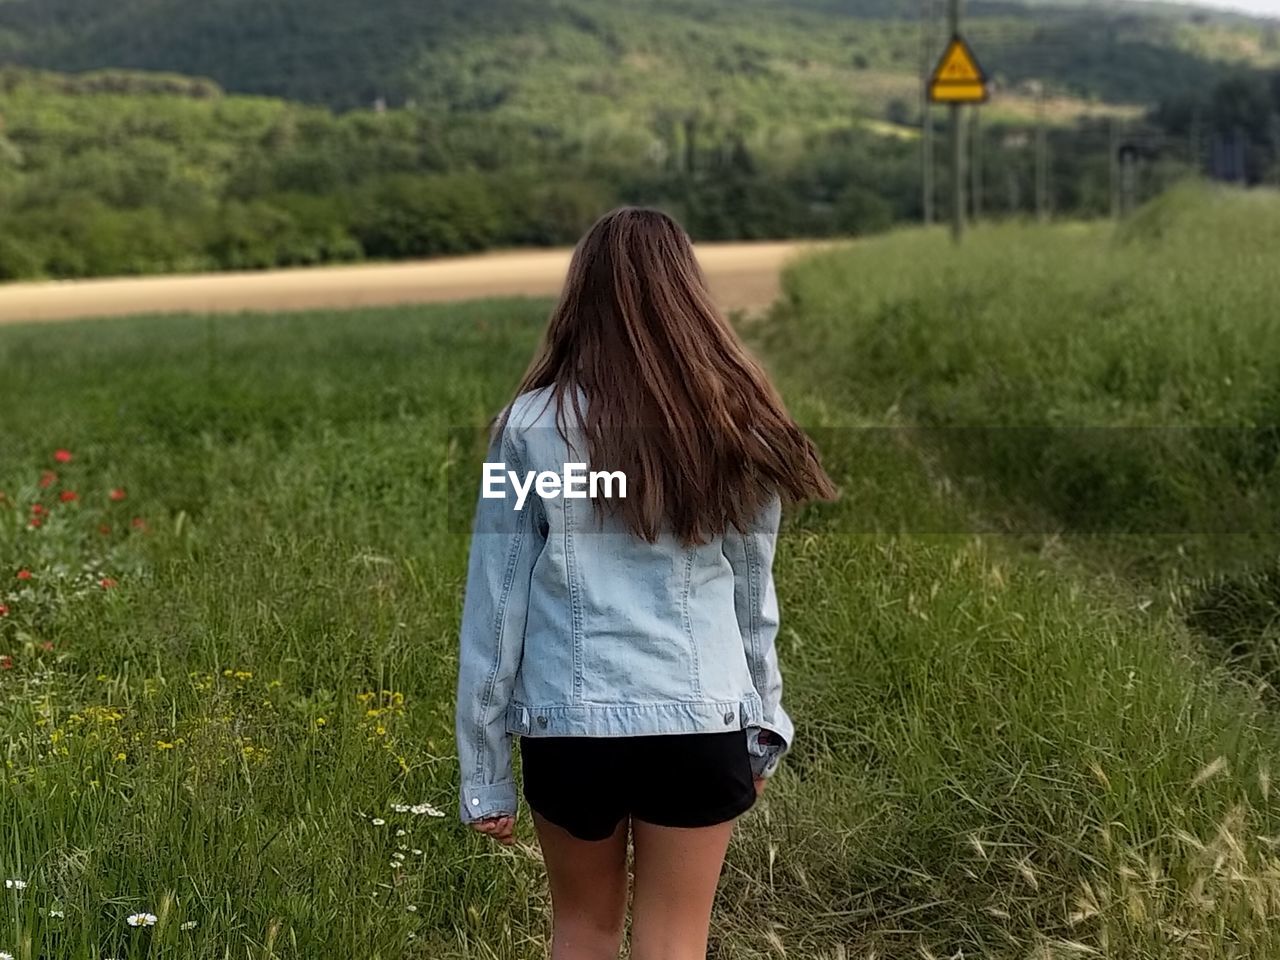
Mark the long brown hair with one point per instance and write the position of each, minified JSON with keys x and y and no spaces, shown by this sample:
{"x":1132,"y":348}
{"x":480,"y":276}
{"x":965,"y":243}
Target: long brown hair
{"x":673,"y":398}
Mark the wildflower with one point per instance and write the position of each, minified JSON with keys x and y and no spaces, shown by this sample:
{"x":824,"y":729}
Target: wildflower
{"x":416,"y":852}
{"x":38,"y":510}
{"x":426,"y":808}
{"x":162,"y":745}
{"x":34,"y":523}
{"x":117,"y":494}
{"x":5,"y":955}
{"x":24,"y":574}
{"x":412,"y":908}
{"x":105,"y":529}
{"x":321,"y":721}
{"x":397,"y":856}
{"x":57,"y":914}
{"x":15,"y":884}
{"x":6,"y":663}
{"x":68,"y":496}
{"x":121,"y":757}
{"x":401,"y":833}
{"x":47,"y":479}
{"x":62,"y":456}
{"x":139,"y":524}
{"x":4,"y":611}
{"x":141,"y":920}
{"x":107,"y":583}
{"x":187,"y":925}
{"x":378,"y":822}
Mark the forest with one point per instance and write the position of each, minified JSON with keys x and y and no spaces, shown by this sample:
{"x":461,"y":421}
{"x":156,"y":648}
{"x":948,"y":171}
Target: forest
{"x":159,"y":136}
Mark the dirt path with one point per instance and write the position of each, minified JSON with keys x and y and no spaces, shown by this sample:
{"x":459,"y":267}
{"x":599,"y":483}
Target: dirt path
{"x":742,"y":276}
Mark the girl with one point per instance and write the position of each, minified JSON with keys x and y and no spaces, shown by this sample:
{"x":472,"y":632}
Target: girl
{"x":629,"y":640}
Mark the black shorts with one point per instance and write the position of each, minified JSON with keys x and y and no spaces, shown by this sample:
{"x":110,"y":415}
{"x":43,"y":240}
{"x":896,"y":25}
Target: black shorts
{"x":588,"y":785}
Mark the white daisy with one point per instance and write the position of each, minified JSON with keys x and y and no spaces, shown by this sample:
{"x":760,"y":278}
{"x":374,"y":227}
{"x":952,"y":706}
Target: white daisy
{"x":412,"y":908}
{"x":15,"y":884}
{"x":400,"y":807}
{"x":187,"y":925}
{"x":417,"y":852}
{"x":420,"y":808}
{"x":397,"y":855}
{"x":402,"y":833}
{"x":378,"y":822}
{"x":141,"y":920}
{"x":5,"y":955}
{"x":57,"y":913}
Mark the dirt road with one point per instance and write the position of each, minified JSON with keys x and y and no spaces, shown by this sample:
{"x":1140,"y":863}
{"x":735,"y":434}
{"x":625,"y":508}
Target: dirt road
{"x":742,"y":276}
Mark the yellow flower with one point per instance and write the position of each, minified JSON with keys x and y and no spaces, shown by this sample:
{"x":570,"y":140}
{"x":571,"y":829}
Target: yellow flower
{"x":321,"y":721}
{"x":122,"y":756}
{"x":161,"y":745}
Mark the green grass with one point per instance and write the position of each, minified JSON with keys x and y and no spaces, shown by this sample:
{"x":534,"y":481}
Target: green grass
{"x":998,"y":752}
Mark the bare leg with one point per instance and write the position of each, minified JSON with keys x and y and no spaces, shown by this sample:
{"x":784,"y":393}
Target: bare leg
{"x":588,"y":891}
{"x":676,"y":873}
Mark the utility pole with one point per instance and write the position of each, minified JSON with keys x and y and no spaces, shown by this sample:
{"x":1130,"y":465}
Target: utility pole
{"x":1195,"y":150}
{"x":1042,"y":156}
{"x":957,"y":146}
{"x":926,"y":118}
{"x":1113,"y":166}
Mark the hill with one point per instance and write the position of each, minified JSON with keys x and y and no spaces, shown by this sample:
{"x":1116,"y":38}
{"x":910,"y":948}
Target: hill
{"x":238,"y":134}
{"x":536,"y":57}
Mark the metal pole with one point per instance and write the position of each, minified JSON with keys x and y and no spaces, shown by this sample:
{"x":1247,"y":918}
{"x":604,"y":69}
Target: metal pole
{"x":1042,"y":158}
{"x":976,"y":148}
{"x":926,"y":118}
{"x":957,"y":146}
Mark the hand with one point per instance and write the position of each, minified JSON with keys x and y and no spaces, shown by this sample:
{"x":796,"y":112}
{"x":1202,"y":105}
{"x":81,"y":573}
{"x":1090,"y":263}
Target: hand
{"x":502,"y":829}
{"x":760,"y":784}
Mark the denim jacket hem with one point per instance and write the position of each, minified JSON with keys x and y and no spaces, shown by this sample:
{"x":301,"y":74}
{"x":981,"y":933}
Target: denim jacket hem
{"x":634,"y":719}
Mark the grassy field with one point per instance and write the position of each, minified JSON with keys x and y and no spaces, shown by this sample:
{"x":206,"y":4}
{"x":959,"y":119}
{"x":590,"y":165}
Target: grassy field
{"x":226,"y":665}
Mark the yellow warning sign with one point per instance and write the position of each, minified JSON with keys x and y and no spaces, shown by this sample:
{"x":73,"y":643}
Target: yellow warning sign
{"x":957,"y":78}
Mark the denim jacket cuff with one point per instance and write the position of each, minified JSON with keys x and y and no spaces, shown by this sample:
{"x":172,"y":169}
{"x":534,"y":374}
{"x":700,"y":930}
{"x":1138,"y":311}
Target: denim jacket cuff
{"x":765,"y":748}
{"x":488,"y":800}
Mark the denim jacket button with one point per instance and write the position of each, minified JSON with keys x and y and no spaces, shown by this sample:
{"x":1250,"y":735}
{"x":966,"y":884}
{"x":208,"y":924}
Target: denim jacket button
{"x":542,"y":721}
{"x":728,"y":718}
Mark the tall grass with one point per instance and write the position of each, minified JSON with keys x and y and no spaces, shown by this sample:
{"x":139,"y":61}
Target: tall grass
{"x":1089,"y":381}
{"x":995,"y":757}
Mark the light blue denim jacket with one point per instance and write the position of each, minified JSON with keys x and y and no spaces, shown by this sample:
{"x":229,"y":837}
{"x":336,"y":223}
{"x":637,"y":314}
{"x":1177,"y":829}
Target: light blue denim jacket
{"x":572,"y":626}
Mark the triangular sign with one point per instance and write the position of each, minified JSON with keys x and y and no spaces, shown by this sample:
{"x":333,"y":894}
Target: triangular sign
{"x":957,"y":78}
{"x":958,"y":65}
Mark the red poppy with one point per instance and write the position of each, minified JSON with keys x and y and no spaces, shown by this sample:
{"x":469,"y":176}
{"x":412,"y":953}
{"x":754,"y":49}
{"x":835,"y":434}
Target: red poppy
{"x":68,"y":496}
{"x":139,"y":523}
{"x":62,"y":456}
{"x":48,"y":479}
{"x":107,"y":583}
{"x":4,"y":611}
{"x":24,"y":574}
{"x":37,"y":510}
{"x":105,"y":529}
{"x":117,"y":494}
{"x":35,"y":523}
{"x":6,"y":662}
